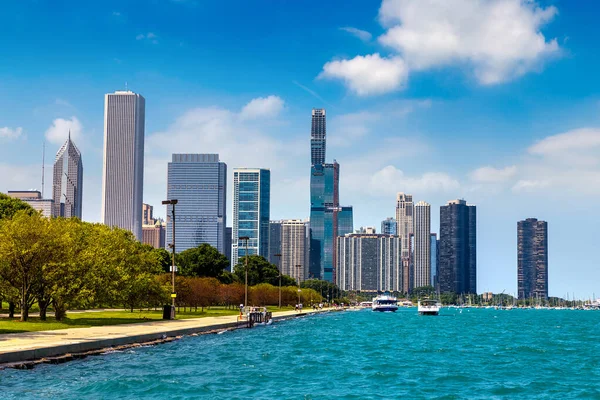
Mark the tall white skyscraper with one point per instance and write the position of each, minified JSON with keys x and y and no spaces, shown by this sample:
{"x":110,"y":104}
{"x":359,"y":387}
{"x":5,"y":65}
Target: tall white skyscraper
{"x":404,"y":219}
{"x":67,"y":183}
{"x":293,"y":249}
{"x":422,"y":250}
{"x":123,"y":166}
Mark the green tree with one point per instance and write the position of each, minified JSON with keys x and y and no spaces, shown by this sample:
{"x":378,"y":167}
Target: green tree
{"x":260,"y":270}
{"x":9,"y":206}
{"x":201,"y":261}
{"x":164,"y":258}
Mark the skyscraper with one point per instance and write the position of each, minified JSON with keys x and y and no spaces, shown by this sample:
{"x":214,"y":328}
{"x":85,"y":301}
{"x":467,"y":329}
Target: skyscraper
{"x":532,"y":259}
{"x":147,"y":214}
{"x":389,"y":226}
{"x":293,"y":248}
{"x":67,"y":187}
{"x":199,"y":183}
{"x":457,"y":268}
{"x":251,"y":212}
{"x":154,"y":235}
{"x":227,"y":250}
{"x":405,"y":226}
{"x":34,"y":199}
{"x":368,"y":262}
{"x":123,"y":165}
{"x":434,"y":259}
{"x":274,"y":241}
{"x":318,"y":132}
{"x":422,"y":248}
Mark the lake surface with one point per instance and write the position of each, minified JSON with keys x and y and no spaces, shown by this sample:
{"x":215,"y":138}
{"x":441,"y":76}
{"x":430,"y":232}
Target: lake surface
{"x":476,"y":353}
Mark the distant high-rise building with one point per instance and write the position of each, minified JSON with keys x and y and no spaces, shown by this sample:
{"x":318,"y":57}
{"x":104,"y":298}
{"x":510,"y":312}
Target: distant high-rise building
{"x":251,"y":212}
{"x":434,"y":259}
{"x":457,"y":267}
{"x":274,"y":241}
{"x":405,"y":226}
{"x":123,"y":166}
{"x":389,"y":226}
{"x":422,"y":248}
{"x":368,"y":262}
{"x":532,"y":259}
{"x":34,"y":199}
{"x":293,"y":249}
{"x":318,"y":132}
{"x":227,"y":250}
{"x":67,"y":185}
{"x":147,"y":214}
{"x":199,"y":183}
{"x":366,"y":230}
{"x":345,"y":220}
{"x":154,"y":235}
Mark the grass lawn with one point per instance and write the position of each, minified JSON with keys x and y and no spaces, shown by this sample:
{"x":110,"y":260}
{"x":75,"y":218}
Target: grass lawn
{"x":100,"y":318}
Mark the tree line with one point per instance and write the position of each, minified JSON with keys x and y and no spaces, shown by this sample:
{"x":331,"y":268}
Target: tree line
{"x":63,"y":264}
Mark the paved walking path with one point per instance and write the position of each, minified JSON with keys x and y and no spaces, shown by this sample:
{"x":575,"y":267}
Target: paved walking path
{"x":17,"y":347}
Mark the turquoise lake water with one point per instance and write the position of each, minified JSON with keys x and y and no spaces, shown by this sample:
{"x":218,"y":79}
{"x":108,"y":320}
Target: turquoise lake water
{"x":474,"y":354}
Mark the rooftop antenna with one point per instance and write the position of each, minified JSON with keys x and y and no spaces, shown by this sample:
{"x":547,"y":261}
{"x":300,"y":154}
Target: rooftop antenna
{"x":43,"y":164}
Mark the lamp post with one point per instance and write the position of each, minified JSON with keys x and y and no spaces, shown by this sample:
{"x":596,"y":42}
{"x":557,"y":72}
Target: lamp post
{"x":172,"y":203}
{"x":279,"y":268}
{"x":246,"y":238}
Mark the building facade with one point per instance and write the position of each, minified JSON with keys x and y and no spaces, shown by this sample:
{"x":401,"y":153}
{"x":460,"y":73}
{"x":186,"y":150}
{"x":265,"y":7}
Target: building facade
{"x":67,"y":182}
{"x":154,"y":235}
{"x":389,"y":226}
{"x":532,"y":259}
{"x":147,"y":214}
{"x":251,"y":212}
{"x":274,"y":241}
{"x":293,"y":249}
{"x":227,"y":251}
{"x":405,"y":228}
{"x":457,"y":267}
{"x":199,"y":183}
{"x":422,"y":245}
{"x":34,"y":199}
{"x":368,"y":262}
{"x":123,"y":163}
{"x":434,"y":259}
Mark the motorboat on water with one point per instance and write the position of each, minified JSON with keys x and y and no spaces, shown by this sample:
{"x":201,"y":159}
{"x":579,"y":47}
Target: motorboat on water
{"x":385,"y":302}
{"x":428,"y":307}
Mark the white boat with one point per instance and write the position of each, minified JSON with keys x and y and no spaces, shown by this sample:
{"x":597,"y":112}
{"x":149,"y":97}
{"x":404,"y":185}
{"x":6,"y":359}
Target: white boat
{"x":385,"y":302}
{"x":428,"y":307}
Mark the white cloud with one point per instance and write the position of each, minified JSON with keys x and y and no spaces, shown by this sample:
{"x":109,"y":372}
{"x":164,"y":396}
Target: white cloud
{"x":10,"y":133}
{"x":391,"y":179}
{"x":58,"y":132}
{"x":525,"y":185}
{"x":359,"y":33}
{"x":368,"y":75}
{"x":498,"y":39}
{"x":578,"y":139}
{"x":269,"y":106}
{"x":151,"y":37}
{"x":493,"y":175}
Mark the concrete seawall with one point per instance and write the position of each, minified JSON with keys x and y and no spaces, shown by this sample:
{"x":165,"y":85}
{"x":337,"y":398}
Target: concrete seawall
{"x":24,"y":347}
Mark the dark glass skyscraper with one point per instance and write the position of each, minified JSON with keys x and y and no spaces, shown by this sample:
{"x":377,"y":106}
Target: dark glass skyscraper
{"x":532,"y":259}
{"x":317,"y":137}
{"x":388,"y":226}
{"x":274,"y":241}
{"x":199,"y":183}
{"x":68,"y":181}
{"x":457,"y":268}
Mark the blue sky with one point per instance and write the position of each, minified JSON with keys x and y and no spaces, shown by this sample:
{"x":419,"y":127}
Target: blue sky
{"x":493,"y":101}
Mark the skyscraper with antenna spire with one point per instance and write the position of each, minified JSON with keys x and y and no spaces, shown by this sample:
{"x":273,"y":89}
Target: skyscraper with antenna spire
{"x":67,"y":183}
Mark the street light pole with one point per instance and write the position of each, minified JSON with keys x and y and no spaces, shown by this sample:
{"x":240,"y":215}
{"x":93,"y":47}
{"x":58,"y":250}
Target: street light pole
{"x":172,"y":202}
{"x":279,"y":268}
{"x":246,"y":238}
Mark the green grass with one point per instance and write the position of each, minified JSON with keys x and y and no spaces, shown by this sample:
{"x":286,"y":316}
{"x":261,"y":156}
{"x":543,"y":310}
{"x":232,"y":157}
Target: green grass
{"x":101,"y":318}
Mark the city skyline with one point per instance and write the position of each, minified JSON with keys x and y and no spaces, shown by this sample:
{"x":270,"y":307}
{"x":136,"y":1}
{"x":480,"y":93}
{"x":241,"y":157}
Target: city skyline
{"x":448,"y":126}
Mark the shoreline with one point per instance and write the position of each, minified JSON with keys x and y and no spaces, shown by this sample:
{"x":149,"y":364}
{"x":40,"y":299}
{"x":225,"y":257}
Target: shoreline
{"x":27,"y":350}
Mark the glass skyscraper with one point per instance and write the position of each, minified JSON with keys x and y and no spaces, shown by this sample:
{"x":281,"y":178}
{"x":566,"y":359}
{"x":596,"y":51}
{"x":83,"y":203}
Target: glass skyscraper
{"x":457,"y":268}
{"x":532,"y":259}
{"x":324,"y":203}
{"x":199,"y":183}
{"x":67,"y":185}
{"x":251,"y":212}
{"x":388,"y":226}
